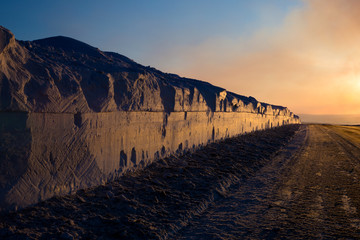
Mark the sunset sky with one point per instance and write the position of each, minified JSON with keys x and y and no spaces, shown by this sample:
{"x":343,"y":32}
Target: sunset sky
{"x":301,"y":54}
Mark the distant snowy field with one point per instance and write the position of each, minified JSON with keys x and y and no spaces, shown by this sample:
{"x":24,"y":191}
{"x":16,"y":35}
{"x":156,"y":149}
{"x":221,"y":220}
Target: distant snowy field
{"x":350,"y":119}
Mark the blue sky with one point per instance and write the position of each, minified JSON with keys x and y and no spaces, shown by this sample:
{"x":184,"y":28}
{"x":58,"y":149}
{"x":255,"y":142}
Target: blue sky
{"x":135,"y":28}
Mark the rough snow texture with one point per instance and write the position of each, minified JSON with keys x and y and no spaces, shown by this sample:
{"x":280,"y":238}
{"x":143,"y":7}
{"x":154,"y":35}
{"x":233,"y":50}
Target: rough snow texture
{"x":72,"y":116}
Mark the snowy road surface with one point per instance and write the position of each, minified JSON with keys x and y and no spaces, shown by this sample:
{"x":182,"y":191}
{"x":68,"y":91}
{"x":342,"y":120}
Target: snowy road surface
{"x":315,"y":194}
{"x":292,"y":182}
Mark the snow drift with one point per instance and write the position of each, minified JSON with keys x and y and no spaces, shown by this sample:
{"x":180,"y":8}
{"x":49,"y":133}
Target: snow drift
{"x":72,"y":116}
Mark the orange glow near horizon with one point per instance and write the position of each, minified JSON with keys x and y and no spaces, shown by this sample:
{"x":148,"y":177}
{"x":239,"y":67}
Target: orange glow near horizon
{"x":311,"y":63}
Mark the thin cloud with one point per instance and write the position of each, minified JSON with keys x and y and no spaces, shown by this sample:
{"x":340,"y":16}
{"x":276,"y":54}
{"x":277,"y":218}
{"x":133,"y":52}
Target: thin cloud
{"x":311,"y":63}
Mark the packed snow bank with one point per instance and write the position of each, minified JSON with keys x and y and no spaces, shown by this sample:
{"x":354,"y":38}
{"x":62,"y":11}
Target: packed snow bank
{"x":72,"y":116}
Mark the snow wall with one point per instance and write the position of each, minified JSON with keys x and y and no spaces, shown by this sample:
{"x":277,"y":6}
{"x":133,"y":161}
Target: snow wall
{"x":52,"y":154}
{"x":72,"y":117}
